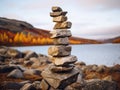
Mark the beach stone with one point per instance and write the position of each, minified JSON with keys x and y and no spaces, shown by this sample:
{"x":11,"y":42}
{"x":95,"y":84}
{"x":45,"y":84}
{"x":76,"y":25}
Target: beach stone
{"x":15,"y":74}
{"x":30,"y":54}
{"x":32,"y":72}
{"x":60,"y":69}
{"x":61,"y":41}
{"x":60,"y":33}
{"x":59,"y":19}
{"x":28,"y":63}
{"x":3,"y":50}
{"x":96,"y":84}
{"x":59,"y":50}
{"x":7,"y":68}
{"x":55,"y":14}
{"x":63,"y":25}
{"x":56,"y":9}
{"x":2,"y":58}
{"x":64,"y":60}
{"x":108,"y":78}
{"x":59,"y":80}
{"x":44,"y":85}
{"x":13,"y":53}
{"x":28,"y":86}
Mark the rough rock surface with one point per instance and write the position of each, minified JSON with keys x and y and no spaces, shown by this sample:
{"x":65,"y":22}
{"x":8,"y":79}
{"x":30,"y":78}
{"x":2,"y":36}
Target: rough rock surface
{"x":64,"y":60}
{"x":61,"y":41}
{"x":56,"y":9}
{"x":59,"y":50}
{"x":60,"y":33}
{"x":55,"y":14}
{"x":63,"y":25}
{"x":59,"y":80}
{"x":59,"y":19}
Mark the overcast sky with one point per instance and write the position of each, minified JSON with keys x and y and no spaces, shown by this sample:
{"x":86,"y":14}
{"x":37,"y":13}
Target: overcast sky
{"x":90,"y":18}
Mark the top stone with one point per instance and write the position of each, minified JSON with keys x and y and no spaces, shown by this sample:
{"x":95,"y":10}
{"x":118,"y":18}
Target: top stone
{"x":56,"y":9}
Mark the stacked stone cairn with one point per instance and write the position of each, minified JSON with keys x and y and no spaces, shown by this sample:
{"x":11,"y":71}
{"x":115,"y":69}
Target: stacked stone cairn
{"x":61,"y":72}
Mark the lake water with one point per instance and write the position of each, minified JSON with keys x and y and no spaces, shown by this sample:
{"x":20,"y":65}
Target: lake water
{"x":108,"y":54}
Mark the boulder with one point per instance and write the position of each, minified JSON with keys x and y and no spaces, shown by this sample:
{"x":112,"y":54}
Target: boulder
{"x":63,"y":25}
{"x":44,"y":85}
{"x":13,"y":53}
{"x":30,"y":54}
{"x":59,"y":19}
{"x":64,"y":60}
{"x":56,"y":9}
{"x":59,"y":50}
{"x":60,"y":69}
{"x":3,"y":50}
{"x":61,"y":41}
{"x":55,"y":14}
{"x":28,"y":63}
{"x":15,"y":74}
{"x":7,"y":85}
{"x":60,"y":33}
{"x":2,"y":58}
{"x":59,"y":80}
{"x":28,"y":86}
{"x":7,"y":68}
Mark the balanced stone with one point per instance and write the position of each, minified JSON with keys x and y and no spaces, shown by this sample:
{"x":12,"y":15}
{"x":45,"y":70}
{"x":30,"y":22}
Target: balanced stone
{"x":59,"y":19}
{"x":59,"y":80}
{"x":64,"y":60}
{"x":63,"y":25}
{"x":56,"y":9}
{"x":59,"y":51}
{"x":55,"y":14}
{"x":61,"y":69}
{"x":61,"y":41}
{"x":60,"y":33}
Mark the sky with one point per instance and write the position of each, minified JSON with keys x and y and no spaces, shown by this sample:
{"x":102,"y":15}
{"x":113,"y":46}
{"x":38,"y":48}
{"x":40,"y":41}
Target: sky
{"x":94,"y":19}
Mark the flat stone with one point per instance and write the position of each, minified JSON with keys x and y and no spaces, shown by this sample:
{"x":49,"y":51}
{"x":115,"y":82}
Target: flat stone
{"x":61,"y":41}
{"x":30,"y":54}
{"x":56,"y":9}
{"x":55,"y":14}
{"x":64,"y":60}
{"x":59,"y":19}
{"x":63,"y":25}
{"x":44,"y":85}
{"x":60,"y":33}
{"x":28,"y":86}
{"x":59,"y":51}
{"x":60,"y":80}
{"x":61,"y":69}
{"x":15,"y":74}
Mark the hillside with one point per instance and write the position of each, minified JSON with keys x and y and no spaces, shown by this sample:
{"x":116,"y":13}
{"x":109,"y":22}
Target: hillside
{"x":20,"y":33}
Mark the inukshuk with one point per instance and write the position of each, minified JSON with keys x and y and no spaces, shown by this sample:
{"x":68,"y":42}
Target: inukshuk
{"x":61,"y":72}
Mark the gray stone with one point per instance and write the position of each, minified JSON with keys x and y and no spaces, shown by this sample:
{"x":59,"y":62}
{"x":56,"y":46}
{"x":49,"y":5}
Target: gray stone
{"x":56,"y":9}
{"x":59,"y":80}
{"x":60,"y":33}
{"x":61,"y":69}
{"x":15,"y":74}
{"x":44,"y":85}
{"x":59,"y":50}
{"x":59,"y":19}
{"x":61,"y":41}
{"x":55,"y":14}
{"x":63,"y":25}
{"x":30,"y":54}
{"x":28,"y":86}
{"x":64,"y":60}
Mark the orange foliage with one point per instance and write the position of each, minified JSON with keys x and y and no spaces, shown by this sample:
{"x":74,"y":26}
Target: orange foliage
{"x":24,"y":39}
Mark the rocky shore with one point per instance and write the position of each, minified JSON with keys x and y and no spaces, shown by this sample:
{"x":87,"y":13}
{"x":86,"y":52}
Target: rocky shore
{"x":22,"y":71}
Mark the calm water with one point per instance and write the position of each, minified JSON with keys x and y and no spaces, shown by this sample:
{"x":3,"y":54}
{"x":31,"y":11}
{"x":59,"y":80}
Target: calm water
{"x":108,"y":54}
